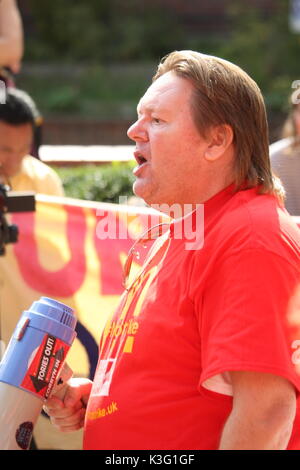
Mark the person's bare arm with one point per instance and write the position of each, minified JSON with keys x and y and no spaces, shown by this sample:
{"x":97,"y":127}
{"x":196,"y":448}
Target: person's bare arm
{"x":264,"y":408}
{"x":11,"y":35}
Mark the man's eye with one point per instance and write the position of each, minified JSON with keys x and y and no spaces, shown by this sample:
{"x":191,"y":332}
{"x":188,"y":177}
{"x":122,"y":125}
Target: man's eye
{"x":156,"y":120}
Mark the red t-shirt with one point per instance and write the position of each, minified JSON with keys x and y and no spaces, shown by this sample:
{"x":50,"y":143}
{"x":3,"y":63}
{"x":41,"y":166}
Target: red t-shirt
{"x":228,"y":304}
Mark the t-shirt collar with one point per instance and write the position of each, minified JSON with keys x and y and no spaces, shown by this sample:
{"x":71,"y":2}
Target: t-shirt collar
{"x":204,"y":210}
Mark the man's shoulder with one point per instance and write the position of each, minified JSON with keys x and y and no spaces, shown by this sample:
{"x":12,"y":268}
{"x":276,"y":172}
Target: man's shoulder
{"x":248,"y":207}
{"x":259,"y":221}
{"x":30,"y":161}
{"x":41,"y":177}
{"x":36,"y":167}
{"x":260,"y":212}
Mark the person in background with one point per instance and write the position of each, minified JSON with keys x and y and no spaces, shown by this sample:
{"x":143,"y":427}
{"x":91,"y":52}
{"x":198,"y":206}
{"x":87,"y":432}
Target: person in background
{"x":11,"y":38}
{"x":18,"y":168}
{"x":201,"y":352}
{"x":11,"y":53}
{"x":285,"y":160}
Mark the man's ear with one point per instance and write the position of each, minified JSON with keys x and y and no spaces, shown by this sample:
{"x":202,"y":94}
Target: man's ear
{"x":219,"y":140}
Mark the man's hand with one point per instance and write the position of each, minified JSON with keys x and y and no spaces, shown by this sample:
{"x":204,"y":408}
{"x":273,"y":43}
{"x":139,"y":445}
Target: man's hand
{"x":264,"y":408}
{"x":68,"y":415}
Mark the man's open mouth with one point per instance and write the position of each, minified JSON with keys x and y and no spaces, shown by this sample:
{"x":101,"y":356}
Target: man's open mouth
{"x":139,"y":158}
{"x":141,"y":163}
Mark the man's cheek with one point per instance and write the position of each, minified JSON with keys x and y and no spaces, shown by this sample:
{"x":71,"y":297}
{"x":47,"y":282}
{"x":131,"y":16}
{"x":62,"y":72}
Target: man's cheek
{"x":13,"y":166}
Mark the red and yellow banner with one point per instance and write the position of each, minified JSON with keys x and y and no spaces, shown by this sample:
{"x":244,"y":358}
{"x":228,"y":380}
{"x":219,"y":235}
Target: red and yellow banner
{"x":72,"y":251}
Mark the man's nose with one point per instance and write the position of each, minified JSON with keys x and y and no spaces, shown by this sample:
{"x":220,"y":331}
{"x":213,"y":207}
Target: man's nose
{"x":137,"y":131}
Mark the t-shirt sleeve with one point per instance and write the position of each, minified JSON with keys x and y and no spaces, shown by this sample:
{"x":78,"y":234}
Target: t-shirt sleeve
{"x":51,"y":185}
{"x":250,"y":319}
{"x":39,"y":177}
{"x":46,"y":180}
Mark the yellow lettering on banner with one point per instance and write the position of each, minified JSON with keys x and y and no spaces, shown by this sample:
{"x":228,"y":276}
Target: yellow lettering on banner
{"x":50,"y":257}
{"x":50,"y":232}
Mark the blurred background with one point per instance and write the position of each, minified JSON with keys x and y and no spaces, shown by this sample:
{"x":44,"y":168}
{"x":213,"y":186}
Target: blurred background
{"x":87,"y":63}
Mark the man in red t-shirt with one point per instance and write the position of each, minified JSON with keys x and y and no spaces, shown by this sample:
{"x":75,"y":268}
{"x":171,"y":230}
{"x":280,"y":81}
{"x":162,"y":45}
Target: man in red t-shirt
{"x":202,"y":352}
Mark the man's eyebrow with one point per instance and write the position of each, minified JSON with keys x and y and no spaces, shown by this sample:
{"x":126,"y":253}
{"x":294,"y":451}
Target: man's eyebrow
{"x":6,"y":148}
{"x":148,"y":108}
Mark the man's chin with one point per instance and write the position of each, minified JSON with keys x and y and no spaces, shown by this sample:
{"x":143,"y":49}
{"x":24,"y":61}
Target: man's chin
{"x":140,"y":191}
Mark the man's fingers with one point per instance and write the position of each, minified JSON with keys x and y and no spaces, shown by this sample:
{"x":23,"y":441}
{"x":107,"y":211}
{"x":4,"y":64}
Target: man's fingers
{"x":59,"y":410}
{"x":66,"y":422}
{"x":74,"y":423}
{"x":73,"y":428}
{"x":68,"y":415}
{"x":53,"y":404}
{"x":78,"y":389}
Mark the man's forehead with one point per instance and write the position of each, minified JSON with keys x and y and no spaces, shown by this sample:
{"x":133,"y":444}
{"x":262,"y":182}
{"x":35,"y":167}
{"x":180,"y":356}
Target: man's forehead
{"x":164,"y":90}
{"x":7,"y":129}
{"x":15,"y":136}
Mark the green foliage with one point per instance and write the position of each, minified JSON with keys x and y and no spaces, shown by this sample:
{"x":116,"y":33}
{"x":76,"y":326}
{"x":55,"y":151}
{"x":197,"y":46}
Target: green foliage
{"x":265,"y":47}
{"x":98,"y":183}
{"x":99,"y":33}
{"x":64,"y":28}
{"x":92,"y":90}
{"x":63,"y":99}
{"x":100,"y":30}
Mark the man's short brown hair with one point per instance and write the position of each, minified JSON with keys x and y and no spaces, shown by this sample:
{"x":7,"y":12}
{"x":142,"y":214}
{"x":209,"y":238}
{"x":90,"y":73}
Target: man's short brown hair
{"x":225,"y":94}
